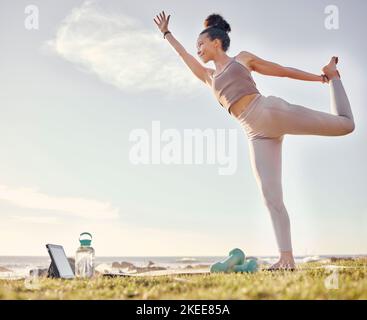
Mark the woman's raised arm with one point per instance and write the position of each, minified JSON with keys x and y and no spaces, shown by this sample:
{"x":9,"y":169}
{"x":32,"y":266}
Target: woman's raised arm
{"x":254,"y":63}
{"x":195,"y":66}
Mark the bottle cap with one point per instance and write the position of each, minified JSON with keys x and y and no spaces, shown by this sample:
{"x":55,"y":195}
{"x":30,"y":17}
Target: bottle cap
{"x":85,"y":242}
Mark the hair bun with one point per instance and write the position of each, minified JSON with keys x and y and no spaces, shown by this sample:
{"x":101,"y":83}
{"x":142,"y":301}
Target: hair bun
{"x":217,"y":21}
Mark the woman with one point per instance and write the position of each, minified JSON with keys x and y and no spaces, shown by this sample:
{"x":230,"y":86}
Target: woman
{"x":265,"y":120}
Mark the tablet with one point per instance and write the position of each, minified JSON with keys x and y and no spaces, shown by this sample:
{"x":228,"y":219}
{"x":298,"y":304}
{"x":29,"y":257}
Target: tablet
{"x":60,"y":262}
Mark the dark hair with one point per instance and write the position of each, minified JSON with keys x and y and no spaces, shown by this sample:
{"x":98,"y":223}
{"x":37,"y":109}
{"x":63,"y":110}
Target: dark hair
{"x":217,"y":28}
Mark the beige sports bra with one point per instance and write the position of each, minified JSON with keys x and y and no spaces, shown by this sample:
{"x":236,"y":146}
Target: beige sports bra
{"x":232,"y":83}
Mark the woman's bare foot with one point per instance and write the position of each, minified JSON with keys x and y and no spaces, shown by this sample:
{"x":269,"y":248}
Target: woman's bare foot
{"x":330,"y":69}
{"x":286,"y":262}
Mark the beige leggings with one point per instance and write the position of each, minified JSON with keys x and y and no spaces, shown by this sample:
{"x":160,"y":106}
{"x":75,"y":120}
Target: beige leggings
{"x":266,"y":120}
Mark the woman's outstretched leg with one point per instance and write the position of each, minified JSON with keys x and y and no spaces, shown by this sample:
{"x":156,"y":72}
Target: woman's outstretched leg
{"x":266,"y":162}
{"x":282,"y":117}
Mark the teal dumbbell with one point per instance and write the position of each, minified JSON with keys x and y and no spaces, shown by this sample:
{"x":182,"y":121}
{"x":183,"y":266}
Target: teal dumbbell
{"x":248,"y":266}
{"x":236,"y":256}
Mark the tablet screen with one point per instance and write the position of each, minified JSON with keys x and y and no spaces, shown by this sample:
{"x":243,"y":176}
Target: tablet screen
{"x":58,"y":255}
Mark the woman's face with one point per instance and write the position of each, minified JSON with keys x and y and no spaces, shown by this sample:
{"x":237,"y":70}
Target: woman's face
{"x":206,"y":48}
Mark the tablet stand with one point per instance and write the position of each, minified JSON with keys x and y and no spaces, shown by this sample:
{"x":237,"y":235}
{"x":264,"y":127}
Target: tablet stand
{"x":52,"y":271}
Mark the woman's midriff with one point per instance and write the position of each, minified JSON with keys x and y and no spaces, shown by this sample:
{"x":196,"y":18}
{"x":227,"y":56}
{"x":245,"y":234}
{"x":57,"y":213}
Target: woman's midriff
{"x":239,"y":106}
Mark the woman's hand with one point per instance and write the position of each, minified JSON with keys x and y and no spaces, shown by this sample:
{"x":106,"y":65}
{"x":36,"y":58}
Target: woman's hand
{"x":162,"y":22}
{"x":324,"y":78}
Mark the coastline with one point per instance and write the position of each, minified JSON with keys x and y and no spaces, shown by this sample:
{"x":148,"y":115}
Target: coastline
{"x":19,"y":267}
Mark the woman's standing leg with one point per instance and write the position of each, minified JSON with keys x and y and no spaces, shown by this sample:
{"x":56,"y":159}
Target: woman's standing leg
{"x":266,"y":162}
{"x":266,"y":126}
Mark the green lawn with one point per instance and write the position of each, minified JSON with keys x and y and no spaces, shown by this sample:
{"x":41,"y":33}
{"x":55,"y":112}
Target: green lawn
{"x":306,"y":283}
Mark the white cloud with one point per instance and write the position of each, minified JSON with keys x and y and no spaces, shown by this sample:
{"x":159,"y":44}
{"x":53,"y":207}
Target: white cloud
{"x":33,"y":199}
{"x":36,"y":219}
{"x":121,"y":51}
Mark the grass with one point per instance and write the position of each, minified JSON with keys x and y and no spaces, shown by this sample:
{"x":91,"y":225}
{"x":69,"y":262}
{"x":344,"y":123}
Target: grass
{"x":306,"y":283}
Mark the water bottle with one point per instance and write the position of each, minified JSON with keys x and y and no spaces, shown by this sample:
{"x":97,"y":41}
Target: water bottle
{"x":84,"y":258}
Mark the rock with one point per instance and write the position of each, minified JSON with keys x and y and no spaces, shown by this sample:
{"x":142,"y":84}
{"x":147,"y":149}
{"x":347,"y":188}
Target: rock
{"x":146,"y":269}
{"x":3,"y":269}
{"x":335,"y":259}
{"x":200,"y":266}
{"x":189,"y":266}
{"x":123,"y":264}
{"x":150,"y":263}
{"x":38,"y":272}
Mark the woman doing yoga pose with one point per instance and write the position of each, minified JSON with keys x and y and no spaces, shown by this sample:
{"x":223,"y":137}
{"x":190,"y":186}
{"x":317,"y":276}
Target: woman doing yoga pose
{"x":264,"y":119}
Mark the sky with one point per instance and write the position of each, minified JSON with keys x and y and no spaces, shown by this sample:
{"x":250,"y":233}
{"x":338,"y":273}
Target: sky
{"x":93,"y":75}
